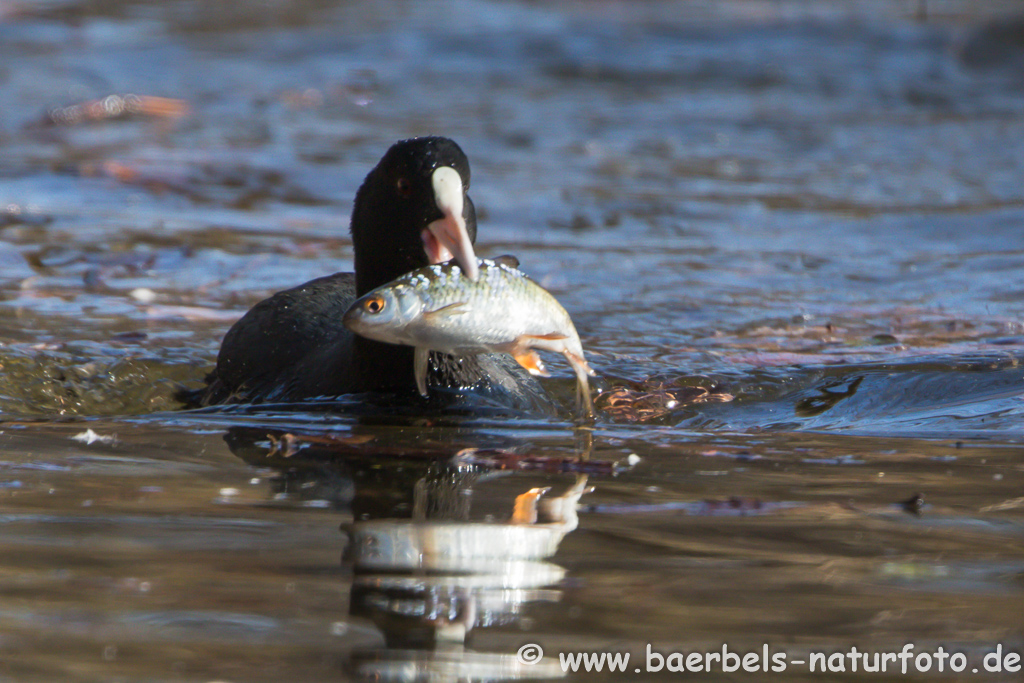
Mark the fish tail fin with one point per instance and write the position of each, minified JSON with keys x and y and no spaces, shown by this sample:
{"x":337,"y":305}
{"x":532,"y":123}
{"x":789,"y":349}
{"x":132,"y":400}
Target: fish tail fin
{"x":582,"y":370}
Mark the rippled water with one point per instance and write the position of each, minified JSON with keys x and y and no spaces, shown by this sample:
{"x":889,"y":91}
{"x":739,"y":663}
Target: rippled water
{"x":789,"y":233}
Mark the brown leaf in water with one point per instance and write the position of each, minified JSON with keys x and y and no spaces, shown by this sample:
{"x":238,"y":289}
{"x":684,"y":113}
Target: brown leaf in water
{"x":117,"y":106}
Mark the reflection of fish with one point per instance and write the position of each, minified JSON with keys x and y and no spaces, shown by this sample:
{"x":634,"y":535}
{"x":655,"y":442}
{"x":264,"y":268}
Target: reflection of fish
{"x":438,"y":308}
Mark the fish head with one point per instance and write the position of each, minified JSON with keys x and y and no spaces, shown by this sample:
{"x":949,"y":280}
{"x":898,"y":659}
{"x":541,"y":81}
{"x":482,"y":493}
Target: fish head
{"x":387,"y":314}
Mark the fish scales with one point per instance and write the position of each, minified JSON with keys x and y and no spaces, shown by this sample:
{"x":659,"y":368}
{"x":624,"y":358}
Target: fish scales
{"x":525,"y":308}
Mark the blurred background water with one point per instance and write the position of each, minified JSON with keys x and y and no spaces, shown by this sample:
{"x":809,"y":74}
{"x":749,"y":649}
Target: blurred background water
{"x":789,"y":233}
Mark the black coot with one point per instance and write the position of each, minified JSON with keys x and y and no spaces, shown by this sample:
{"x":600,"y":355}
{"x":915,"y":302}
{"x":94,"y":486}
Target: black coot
{"x":412,"y":210}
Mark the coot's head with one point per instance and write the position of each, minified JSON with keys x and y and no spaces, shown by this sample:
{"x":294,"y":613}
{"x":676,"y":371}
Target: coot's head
{"x":412,"y":210}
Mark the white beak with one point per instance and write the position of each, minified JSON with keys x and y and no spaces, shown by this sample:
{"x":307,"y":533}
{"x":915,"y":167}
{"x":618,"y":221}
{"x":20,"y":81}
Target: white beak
{"x":447,"y":238}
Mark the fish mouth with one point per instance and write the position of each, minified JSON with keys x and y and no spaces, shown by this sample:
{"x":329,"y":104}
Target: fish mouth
{"x":352,"y":320}
{"x":447,"y":237}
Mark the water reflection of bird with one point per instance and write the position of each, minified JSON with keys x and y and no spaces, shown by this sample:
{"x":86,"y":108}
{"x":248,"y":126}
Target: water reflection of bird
{"x":411,"y":211}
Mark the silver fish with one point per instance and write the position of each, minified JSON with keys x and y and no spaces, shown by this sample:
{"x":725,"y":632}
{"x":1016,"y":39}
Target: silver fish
{"x":439,"y":308}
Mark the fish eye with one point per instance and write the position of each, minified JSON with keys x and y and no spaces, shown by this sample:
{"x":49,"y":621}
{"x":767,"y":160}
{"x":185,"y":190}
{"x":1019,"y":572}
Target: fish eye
{"x":404,"y":187}
{"x":374,"y":304}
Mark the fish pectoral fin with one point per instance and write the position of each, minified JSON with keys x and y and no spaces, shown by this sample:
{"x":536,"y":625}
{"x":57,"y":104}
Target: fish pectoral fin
{"x":420,"y":365}
{"x":532,"y":362}
{"x":552,"y":336}
{"x":456,"y":308}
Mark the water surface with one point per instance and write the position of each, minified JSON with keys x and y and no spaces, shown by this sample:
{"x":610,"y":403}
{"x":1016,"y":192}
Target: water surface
{"x":789,"y":234}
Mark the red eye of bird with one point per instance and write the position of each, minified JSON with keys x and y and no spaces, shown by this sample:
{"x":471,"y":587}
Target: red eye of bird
{"x":404,"y":187}
{"x":374,"y":305}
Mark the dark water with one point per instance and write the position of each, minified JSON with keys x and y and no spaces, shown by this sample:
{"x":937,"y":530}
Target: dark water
{"x":791,"y":235}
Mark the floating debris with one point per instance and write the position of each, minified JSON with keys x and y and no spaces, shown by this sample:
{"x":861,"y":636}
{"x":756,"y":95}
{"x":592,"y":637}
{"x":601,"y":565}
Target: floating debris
{"x":285,"y":446}
{"x":16,"y":214}
{"x":1011,"y":504}
{"x":498,"y":459}
{"x":198,"y":313}
{"x":89,"y":437}
{"x":143,"y":294}
{"x":650,"y":403}
{"x":115,"y":107}
{"x":914,"y":504}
